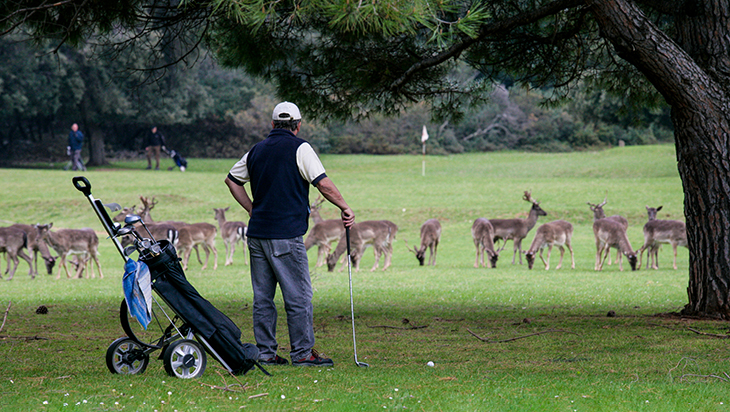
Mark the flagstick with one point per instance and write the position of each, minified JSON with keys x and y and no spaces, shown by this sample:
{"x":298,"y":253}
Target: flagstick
{"x":423,"y":168}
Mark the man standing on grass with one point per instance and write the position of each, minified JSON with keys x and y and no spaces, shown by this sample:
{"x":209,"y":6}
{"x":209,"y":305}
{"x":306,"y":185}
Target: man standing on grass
{"x":75,"y":144}
{"x":280,"y":170}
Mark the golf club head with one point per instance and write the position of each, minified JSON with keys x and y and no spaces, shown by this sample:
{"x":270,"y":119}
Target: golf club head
{"x":362,"y":364}
{"x":129,"y":250}
{"x":132,"y":219}
{"x":125,"y":230}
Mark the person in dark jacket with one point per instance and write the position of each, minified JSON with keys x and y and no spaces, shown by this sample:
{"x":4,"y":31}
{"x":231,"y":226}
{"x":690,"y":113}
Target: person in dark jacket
{"x":280,"y":169}
{"x":153,"y":144}
{"x":75,"y":144}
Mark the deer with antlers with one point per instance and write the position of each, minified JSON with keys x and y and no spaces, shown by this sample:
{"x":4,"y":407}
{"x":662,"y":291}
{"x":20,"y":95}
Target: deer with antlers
{"x":657,"y":231}
{"x":556,"y":233}
{"x":517,"y":229}
{"x":598,"y":213}
{"x":430,"y":237}
{"x":482,"y":232}
{"x":378,"y":233}
{"x":232,"y":232}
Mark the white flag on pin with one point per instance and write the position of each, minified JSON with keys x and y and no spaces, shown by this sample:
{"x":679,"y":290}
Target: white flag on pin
{"x":424,"y":136}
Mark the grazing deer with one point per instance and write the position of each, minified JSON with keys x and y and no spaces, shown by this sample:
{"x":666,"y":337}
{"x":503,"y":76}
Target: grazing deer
{"x":378,"y":233}
{"x":517,"y":229}
{"x":657,"y":231}
{"x":198,"y":234}
{"x":232,"y":233}
{"x":323,"y":234}
{"x":36,"y":245}
{"x":482,"y":231}
{"x":67,"y":242}
{"x":12,"y":242}
{"x":556,"y":233}
{"x":598,"y":213}
{"x":430,"y":237}
{"x":610,"y":233}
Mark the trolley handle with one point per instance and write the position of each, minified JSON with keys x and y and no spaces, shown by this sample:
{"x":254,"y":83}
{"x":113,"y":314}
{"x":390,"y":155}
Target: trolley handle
{"x":82,"y":184}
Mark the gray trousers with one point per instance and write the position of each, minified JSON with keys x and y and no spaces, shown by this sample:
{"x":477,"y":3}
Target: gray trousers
{"x":76,"y":163}
{"x":283,"y":262}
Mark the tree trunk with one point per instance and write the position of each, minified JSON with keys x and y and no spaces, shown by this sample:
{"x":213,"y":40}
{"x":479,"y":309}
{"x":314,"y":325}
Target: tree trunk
{"x":702,"y":129}
{"x":94,"y":136}
{"x":97,"y":155}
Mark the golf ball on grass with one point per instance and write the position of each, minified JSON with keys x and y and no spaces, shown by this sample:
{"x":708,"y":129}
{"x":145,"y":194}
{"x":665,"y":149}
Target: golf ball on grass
{"x":430,"y":363}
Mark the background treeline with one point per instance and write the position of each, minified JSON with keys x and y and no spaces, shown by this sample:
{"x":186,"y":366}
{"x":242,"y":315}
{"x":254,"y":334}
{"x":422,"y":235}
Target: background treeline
{"x":206,"y":111}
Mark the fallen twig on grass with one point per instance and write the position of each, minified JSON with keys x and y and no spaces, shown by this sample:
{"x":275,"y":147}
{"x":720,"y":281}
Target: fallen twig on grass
{"x":725,"y":379}
{"x":260,"y":395}
{"x":398,"y":327}
{"x":518,"y":337}
{"x":36,"y":337}
{"x":709,"y":334}
{"x":226,"y":386}
{"x":10,"y":302}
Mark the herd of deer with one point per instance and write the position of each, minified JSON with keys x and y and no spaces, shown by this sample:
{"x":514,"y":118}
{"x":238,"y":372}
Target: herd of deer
{"x":81,"y":245}
{"x":609,"y":232}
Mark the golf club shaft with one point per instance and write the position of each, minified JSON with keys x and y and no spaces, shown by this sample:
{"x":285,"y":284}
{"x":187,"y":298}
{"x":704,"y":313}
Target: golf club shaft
{"x":352,"y":304}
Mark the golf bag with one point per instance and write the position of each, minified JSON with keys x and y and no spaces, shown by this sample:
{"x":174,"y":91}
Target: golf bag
{"x":222,"y":335}
{"x":178,"y":159}
{"x":195,"y":325}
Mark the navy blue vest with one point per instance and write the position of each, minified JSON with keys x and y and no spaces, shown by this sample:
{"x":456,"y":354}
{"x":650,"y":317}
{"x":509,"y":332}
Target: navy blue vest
{"x":280,"y":193}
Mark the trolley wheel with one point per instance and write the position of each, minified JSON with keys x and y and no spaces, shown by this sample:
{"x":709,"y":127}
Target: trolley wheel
{"x":185,"y":359}
{"x":125,"y":356}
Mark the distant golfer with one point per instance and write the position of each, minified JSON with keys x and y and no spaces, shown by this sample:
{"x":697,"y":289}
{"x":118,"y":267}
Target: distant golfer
{"x":75,"y":144}
{"x":154,"y":142}
{"x":280,"y":170}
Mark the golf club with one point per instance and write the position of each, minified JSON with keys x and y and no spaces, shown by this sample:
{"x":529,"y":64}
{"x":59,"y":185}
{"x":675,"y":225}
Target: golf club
{"x":352,"y":305}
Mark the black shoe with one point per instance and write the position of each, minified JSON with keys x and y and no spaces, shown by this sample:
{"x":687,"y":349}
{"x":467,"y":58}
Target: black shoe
{"x":313,"y":360}
{"x":276,"y":360}
{"x":148,"y":167}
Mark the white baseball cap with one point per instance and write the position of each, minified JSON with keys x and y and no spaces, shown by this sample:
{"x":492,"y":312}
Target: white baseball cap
{"x":286,"y":111}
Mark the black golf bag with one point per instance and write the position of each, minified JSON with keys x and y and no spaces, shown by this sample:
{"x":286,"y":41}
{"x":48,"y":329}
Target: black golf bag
{"x":223,"y":337}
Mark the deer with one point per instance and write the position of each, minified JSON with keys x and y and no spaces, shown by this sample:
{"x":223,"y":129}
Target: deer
{"x":198,"y":234}
{"x":430,"y":237}
{"x":378,"y":233}
{"x":314,"y":209}
{"x":323,"y":233}
{"x":598,"y":213}
{"x":232,"y":233}
{"x":169,"y":230}
{"x":12,"y":242}
{"x":610,"y":233}
{"x":556,"y":233}
{"x":36,"y":246}
{"x":517,"y":229}
{"x":482,"y":231}
{"x":68,"y":242}
{"x":657,"y":231}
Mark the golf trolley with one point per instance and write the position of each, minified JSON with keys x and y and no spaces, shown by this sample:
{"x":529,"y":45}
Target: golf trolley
{"x":182,"y":324}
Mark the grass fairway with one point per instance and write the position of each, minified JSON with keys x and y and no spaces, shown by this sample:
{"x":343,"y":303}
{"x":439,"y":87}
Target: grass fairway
{"x":569,"y":356}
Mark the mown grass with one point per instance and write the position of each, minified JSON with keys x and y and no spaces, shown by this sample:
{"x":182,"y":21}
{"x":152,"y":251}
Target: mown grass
{"x":570,"y":355}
